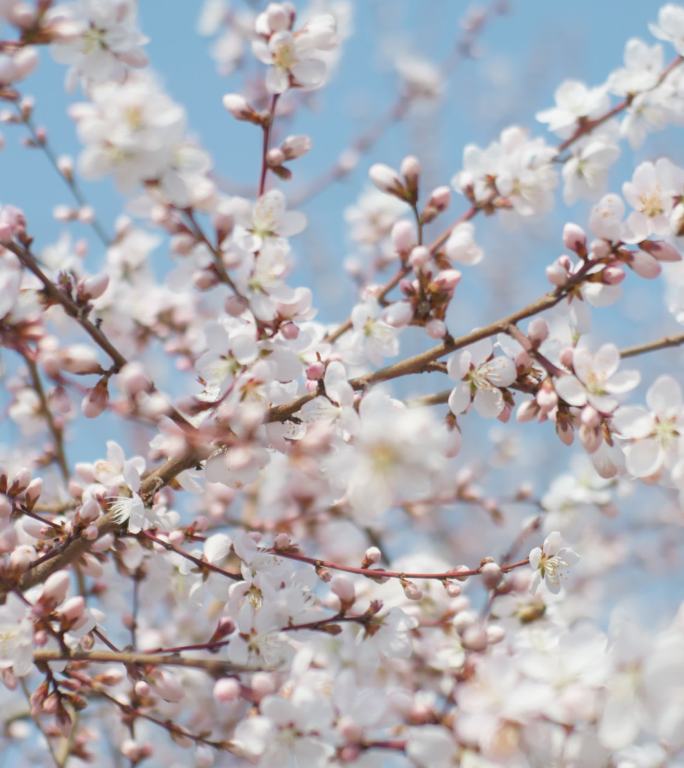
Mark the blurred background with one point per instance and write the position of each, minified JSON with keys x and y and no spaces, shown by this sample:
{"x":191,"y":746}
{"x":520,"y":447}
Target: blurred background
{"x":520,"y":55}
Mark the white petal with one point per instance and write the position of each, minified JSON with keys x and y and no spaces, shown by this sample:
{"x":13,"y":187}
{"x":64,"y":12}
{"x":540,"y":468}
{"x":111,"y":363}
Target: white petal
{"x":459,"y":399}
{"x":500,"y":371}
{"x":571,"y":390}
{"x":633,"y":421}
{"x":623,"y":381}
{"x":664,"y":395}
{"x":643,"y":458}
{"x":607,"y":360}
{"x":488,"y":403}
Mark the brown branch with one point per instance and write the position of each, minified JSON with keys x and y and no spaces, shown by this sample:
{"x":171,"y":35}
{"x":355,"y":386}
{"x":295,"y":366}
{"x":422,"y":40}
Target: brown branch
{"x":381,"y":573}
{"x":42,"y":143}
{"x":653,"y":346}
{"x":133,"y":657}
{"x":172,"y":728}
{"x":267,"y":128}
{"x":56,"y":431}
{"x":72,"y":309}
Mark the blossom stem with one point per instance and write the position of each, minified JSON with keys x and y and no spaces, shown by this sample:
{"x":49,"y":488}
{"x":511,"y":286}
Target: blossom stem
{"x":42,"y":143}
{"x":381,"y":573}
{"x":172,"y":728}
{"x":135,"y":657}
{"x":55,"y":430}
{"x":586,"y":126}
{"x":267,"y":130}
{"x":202,"y":564}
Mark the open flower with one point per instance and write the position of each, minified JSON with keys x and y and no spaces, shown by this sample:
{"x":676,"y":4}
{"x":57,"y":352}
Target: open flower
{"x":653,"y":434}
{"x":480,"y":378}
{"x":269,"y":222}
{"x":596,"y":380}
{"x":551,"y":563}
{"x":295,"y":57}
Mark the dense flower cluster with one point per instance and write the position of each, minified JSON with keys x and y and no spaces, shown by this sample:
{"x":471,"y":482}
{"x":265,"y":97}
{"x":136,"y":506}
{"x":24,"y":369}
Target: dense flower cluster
{"x":268,"y":568}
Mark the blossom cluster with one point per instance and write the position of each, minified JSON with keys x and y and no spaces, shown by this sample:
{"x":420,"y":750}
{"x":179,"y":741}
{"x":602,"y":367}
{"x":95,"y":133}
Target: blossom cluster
{"x":272,"y":553}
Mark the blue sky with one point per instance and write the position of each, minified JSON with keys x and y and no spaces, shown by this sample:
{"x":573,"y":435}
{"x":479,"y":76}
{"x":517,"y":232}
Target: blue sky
{"x":523,"y":56}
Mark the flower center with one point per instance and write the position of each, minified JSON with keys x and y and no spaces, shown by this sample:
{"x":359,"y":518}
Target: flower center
{"x":651,"y":205}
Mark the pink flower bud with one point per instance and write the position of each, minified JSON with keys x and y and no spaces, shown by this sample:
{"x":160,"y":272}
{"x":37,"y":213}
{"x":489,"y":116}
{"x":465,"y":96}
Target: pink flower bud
{"x":168,"y":686}
{"x":399,"y":314}
{"x":33,"y":491}
{"x":295,"y":146}
{"x":574,"y":239}
{"x":412,"y":591}
{"x":612,"y":275}
{"x":403,"y":236}
{"x":275,"y":157}
{"x":420,"y":256}
{"x":73,"y":608}
{"x":661,"y":250}
{"x":436,"y":329}
{"x":235,"y":305}
{"x":447,"y":279}
{"x":21,"y":557}
{"x":93,"y":287}
{"x":440,"y":198}
{"x":386,"y":180}
{"x":79,"y":359}
{"x":263,"y":684}
{"x":463,"y":620}
{"x":19,"y":482}
{"x":644,"y":265}
{"x":547,"y":398}
{"x":567,"y":356}
{"x":590,"y":417}
{"x":372,"y":555}
{"x":527,"y":411}
{"x":315,"y":371}
{"x":556,"y":275}
{"x":410,"y":169}
{"x":538,"y":330}
{"x":12,"y":223}
{"x":96,"y":400}
{"x":349,"y":729}
{"x":238,"y":107}
{"x":90,"y":533}
{"x":491,"y":575}
{"x":453,"y":589}
{"x":474,"y":638}
{"x":25,"y":61}
{"x":600,"y":249}
{"x":495,"y":634}
{"x":282,"y":541}
{"x":290,"y":331}
{"x":226,"y":690}
{"x":277,"y":17}
{"x":565,"y":433}
{"x":343,"y":587}
{"x":142,"y":688}
{"x":65,"y":164}
{"x":132,"y":379}
{"x":56,"y":587}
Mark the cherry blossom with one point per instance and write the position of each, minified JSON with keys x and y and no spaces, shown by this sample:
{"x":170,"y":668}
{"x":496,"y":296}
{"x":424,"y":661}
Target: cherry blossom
{"x":551,"y":563}
{"x":294,"y":56}
{"x":249,"y":515}
{"x":480,"y":378}
{"x":653,"y":434}
{"x":574,"y":101}
{"x":596,"y":380}
{"x":104,"y":42}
